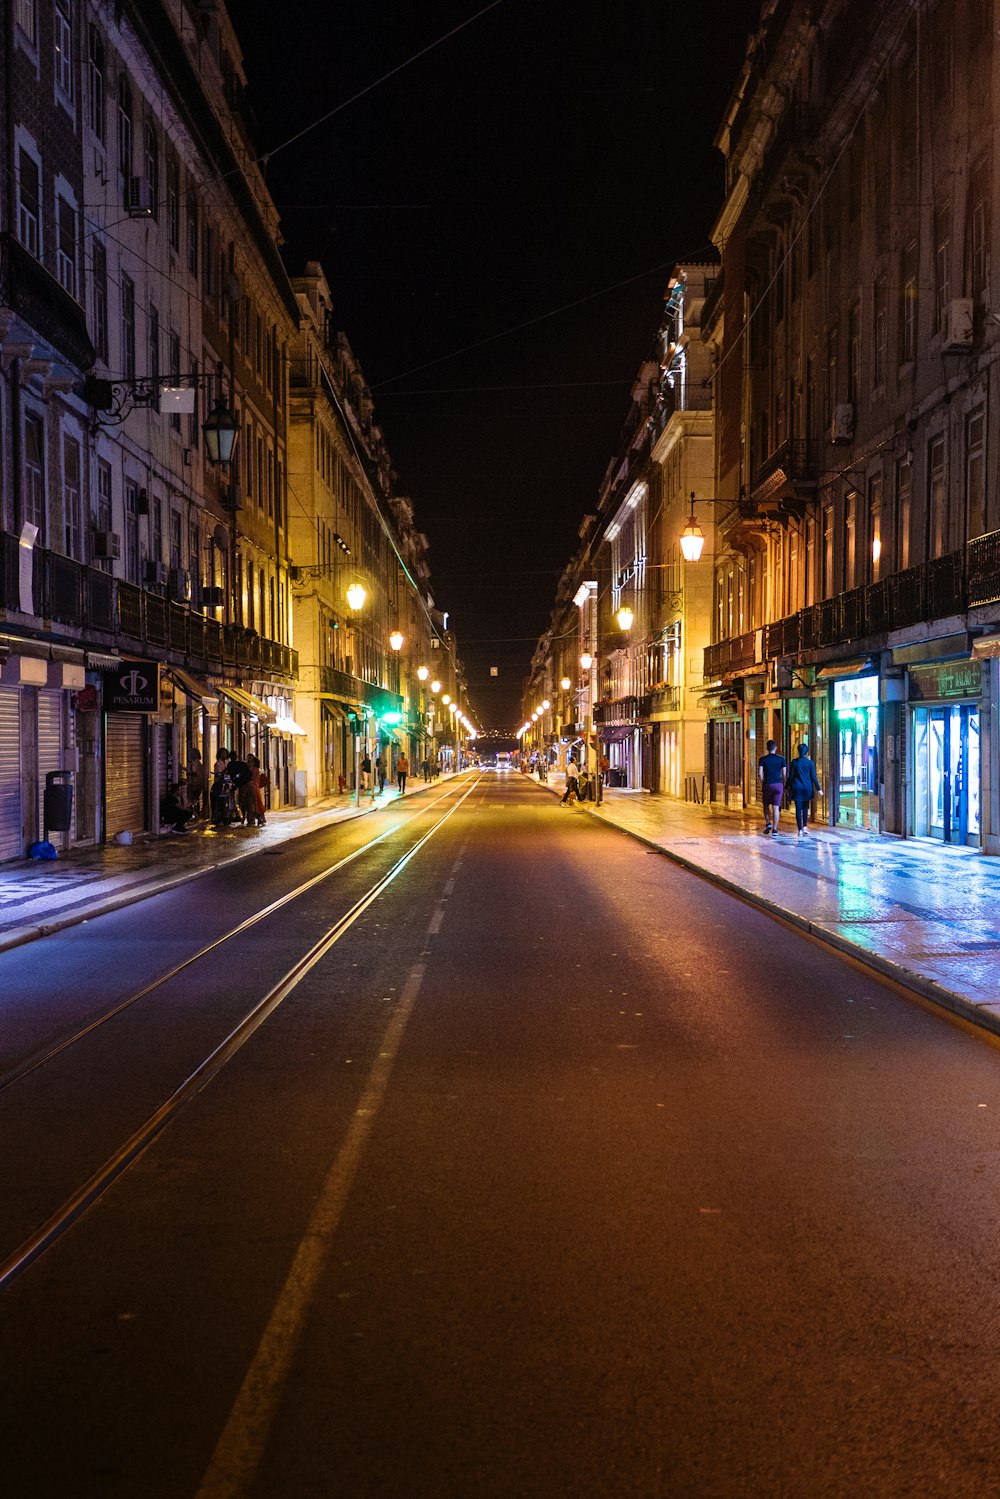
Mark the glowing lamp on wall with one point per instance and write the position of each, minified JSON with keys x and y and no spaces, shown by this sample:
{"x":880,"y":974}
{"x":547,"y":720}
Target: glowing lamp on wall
{"x":396,"y":640}
{"x":586,"y":660}
{"x":625,"y":617}
{"x":356,"y":596}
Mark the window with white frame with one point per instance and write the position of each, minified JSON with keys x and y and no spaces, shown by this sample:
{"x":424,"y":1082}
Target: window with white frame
{"x":26,"y":18}
{"x":99,"y":282}
{"x":66,"y":244}
{"x":72,"y":498}
{"x":128,"y":329}
{"x":29,"y":201}
{"x":62,"y":37}
{"x":96,"y":83}
{"x":33,"y":495}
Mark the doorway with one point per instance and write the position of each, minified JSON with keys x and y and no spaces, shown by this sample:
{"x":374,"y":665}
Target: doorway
{"x":946,"y":773}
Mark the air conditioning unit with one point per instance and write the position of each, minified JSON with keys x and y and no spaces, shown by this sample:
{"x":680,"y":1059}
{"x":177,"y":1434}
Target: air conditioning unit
{"x":180,"y":584}
{"x":212,"y":597}
{"x":154,"y":572}
{"x":107,"y":546}
{"x":842,"y":429}
{"x":957,"y":328}
{"x":138,"y":198}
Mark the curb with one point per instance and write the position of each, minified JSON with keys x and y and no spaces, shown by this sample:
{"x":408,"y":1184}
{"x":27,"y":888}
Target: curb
{"x":926,"y":989}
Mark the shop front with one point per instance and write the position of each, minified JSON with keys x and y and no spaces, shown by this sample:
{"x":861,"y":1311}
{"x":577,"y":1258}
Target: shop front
{"x":855,"y":763}
{"x":944,"y":708}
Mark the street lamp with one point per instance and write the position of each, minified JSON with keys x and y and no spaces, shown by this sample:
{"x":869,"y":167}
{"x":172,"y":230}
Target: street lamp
{"x":625,"y":617}
{"x":586,"y":660}
{"x":693,"y":537}
{"x":565,"y":684}
{"x":221,"y":431}
{"x":356,"y":596}
{"x":422,"y":673}
{"x":396,"y":640}
{"x":435,"y":686}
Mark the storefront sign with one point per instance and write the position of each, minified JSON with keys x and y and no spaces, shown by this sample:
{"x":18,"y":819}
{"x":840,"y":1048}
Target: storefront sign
{"x":133,"y":687}
{"x":855,"y":692}
{"x":950,"y":679}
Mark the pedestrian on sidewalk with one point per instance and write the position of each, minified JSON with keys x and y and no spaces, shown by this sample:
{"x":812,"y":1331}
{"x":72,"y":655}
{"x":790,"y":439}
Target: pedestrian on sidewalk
{"x":258,"y":780}
{"x":220,"y":789}
{"x":241,"y":776}
{"x":380,"y":771}
{"x":572,"y":782}
{"x":803,"y":784}
{"x":425,"y":768}
{"x":366,"y":771}
{"x":195,"y":780}
{"x":772,"y":770}
{"x":402,"y":771}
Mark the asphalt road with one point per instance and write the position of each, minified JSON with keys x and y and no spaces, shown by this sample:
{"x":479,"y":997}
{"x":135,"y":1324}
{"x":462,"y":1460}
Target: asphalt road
{"x":561,"y":1175}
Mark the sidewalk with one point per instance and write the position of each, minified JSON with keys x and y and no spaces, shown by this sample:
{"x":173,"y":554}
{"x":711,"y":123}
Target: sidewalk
{"x":923,"y":913}
{"x":38,"y":897}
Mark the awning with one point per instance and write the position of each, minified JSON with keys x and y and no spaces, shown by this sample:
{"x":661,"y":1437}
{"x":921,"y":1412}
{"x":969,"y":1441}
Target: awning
{"x":284,"y":725}
{"x":199,"y":691}
{"x":247,"y":702}
{"x":852,"y":668}
{"x":986,"y":648}
{"x":619,"y":733}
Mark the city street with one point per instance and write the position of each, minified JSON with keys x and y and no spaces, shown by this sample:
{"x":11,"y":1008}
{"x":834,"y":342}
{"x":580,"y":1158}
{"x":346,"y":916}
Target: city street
{"x":499,"y":1157}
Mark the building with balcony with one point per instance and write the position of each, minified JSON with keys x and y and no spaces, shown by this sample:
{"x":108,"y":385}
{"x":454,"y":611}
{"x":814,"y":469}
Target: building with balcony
{"x":366,"y":671}
{"x":855,"y":340}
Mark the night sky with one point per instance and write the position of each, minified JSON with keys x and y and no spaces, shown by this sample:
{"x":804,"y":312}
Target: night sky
{"x":548,"y":154}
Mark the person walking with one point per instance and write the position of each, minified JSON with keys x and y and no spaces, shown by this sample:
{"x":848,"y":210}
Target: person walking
{"x":380,"y":771}
{"x":772,"y":770}
{"x":803,"y":784}
{"x":366,"y":771}
{"x":402,"y":771}
{"x":195,"y":781}
{"x":425,"y":768}
{"x":258,"y":780}
{"x":240,"y":774}
{"x":572,"y":782}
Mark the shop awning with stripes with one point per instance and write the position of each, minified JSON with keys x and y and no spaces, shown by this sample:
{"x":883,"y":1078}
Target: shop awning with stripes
{"x":247,"y":702}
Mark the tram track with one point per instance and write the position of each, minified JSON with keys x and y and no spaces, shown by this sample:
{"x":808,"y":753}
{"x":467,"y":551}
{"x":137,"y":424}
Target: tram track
{"x":140,"y":1139}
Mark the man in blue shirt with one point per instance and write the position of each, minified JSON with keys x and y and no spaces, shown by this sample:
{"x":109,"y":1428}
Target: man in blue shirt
{"x":772,"y":769}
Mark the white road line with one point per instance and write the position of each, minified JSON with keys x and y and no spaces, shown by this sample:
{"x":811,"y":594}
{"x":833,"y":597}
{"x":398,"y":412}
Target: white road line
{"x":240,"y":1447}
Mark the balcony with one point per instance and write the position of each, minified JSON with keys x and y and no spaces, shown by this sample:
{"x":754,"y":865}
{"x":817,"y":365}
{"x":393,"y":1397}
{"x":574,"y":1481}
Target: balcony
{"x":29,"y":291}
{"x":983,"y":568}
{"x":112,"y":614}
{"x":935,"y":590}
{"x":784,"y":484}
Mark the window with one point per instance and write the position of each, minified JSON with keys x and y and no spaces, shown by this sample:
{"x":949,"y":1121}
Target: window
{"x":850,"y":538}
{"x":207,"y":259}
{"x":904,"y":494}
{"x":99,"y":266}
{"x":27,"y":19}
{"x":154,"y":343}
{"x":96,"y":75}
{"x":72,"y":499}
{"x":975,"y":474}
{"x":248,"y":478}
{"x":128,"y":329}
{"x":175,"y":538}
{"x":880,"y":351}
{"x":33,"y":498}
{"x":103,"y":516}
{"x":908,"y":303}
{"x":875,"y":526}
{"x":937,"y":512}
{"x":260,"y":470}
{"x":66,"y":244}
{"x":174,"y":356}
{"x":192,"y":233}
{"x":132,"y":564}
{"x":831,"y":373}
{"x":125,"y":131}
{"x":62,"y":34}
{"x":151,"y":167}
{"x":829,"y":588}
{"x":174,"y":201}
{"x":942,"y":264}
{"x":854,"y":354}
{"x":979,"y":229}
{"x":156,"y":530}
{"x":29,"y":203}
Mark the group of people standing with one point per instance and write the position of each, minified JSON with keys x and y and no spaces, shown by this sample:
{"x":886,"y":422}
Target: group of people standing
{"x":800,"y":781}
{"x":237,"y":794}
{"x":377,"y":769}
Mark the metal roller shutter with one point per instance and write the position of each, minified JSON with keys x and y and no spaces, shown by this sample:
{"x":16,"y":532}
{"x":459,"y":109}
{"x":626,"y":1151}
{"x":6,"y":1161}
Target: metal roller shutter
{"x":50,"y":746}
{"x":124,"y":773}
{"x":11,"y":829}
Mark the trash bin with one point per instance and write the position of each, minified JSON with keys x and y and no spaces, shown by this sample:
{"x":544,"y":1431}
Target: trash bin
{"x":58,"y":808}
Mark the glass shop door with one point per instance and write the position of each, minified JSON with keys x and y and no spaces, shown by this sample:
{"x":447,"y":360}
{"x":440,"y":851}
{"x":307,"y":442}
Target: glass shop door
{"x":946,"y":773}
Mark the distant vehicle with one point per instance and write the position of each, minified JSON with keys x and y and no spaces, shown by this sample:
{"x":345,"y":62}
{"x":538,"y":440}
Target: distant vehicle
{"x":503,"y":760}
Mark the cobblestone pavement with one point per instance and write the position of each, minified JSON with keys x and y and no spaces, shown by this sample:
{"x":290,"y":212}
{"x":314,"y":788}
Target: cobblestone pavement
{"x":918,"y":910}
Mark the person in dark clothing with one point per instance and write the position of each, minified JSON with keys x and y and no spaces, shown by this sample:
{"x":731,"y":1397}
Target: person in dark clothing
{"x":173,"y":810}
{"x":772,"y":769}
{"x":241,"y":777}
{"x":803,"y":783}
